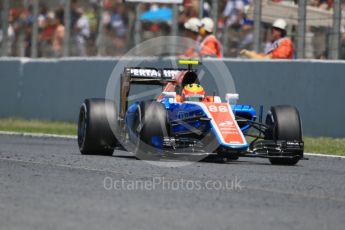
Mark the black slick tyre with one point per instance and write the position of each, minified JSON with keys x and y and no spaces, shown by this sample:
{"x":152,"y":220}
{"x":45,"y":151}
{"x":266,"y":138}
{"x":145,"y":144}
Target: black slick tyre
{"x":95,"y":135}
{"x":285,"y":124}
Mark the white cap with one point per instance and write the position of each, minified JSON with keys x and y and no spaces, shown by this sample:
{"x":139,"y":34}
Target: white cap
{"x":208,"y":24}
{"x":193,"y":24}
{"x":51,"y":15}
{"x":280,"y":24}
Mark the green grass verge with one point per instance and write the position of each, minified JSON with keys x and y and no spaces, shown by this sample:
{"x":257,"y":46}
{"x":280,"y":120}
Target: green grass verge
{"x":312,"y":145}
{"x":325,"y":145}
{"x":37,"y":126}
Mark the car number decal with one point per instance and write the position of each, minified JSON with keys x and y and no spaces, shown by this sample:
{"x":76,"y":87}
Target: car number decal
{"x":226,"y":124}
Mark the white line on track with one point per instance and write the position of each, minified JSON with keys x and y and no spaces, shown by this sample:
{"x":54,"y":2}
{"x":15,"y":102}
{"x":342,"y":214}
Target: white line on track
{"x":75,"y":137}
{"x":323,"y":155}
{"x":38,"y":135}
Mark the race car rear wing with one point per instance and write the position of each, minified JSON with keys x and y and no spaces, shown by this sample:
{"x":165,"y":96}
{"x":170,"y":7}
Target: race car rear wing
{"x":145,"y":76}
{"x":153,"y":76}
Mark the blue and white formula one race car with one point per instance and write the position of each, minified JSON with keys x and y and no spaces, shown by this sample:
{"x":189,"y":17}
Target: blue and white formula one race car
{"x":183,"y":121}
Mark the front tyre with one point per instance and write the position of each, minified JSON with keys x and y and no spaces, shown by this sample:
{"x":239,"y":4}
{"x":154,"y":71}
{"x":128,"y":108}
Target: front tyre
{"x":95,"y":134}
{"x":285,"y":124}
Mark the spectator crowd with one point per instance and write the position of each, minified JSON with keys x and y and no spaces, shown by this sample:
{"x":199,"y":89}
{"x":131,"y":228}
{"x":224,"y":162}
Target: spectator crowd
{"x":109,"y":29}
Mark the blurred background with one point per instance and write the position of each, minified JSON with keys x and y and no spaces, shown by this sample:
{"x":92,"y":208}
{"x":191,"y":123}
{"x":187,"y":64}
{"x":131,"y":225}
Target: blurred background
{"x":70,"y":28}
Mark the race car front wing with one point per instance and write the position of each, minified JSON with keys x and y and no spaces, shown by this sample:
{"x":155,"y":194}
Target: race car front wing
{"x":277,"y":149}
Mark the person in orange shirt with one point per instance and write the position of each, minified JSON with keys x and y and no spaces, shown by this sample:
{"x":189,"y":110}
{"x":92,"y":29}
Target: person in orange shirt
{"x":210,"y":46}
{"x":281,"y":47}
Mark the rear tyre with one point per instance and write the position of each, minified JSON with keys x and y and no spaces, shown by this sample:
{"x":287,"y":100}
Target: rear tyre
{"x":285,"y":124}
{"x":152,"y":122}
{"x":95,"y":135}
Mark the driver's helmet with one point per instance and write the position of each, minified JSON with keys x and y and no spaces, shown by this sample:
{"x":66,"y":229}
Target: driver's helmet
{"x":193,"y":92}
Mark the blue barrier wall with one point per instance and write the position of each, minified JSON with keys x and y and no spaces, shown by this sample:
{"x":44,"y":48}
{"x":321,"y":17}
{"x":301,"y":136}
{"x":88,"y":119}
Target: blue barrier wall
{"x":54,"y":89}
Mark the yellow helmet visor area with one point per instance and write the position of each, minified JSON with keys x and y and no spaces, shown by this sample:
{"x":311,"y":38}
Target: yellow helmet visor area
{"x":193,"y":90}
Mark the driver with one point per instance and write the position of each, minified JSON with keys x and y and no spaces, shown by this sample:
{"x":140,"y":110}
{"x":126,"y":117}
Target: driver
{"x":193,"y":92}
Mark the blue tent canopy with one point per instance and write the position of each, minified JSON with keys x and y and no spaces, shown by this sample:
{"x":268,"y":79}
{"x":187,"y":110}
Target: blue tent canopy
{"x":159,"y":15}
